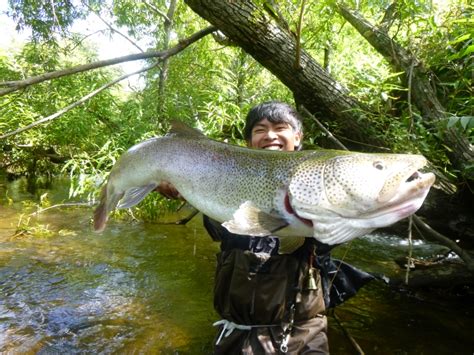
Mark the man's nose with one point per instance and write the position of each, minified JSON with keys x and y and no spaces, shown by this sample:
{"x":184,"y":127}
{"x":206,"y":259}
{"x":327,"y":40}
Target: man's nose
{"x":271,"y":134}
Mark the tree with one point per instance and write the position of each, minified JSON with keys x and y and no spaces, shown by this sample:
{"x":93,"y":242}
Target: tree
{"x":275,"y":47}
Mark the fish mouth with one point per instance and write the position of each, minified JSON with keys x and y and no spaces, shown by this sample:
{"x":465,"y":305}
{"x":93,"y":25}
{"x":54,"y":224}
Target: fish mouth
{"x":403,"y":180}
{"x":407,"y":199}
{"x":414,"y":176}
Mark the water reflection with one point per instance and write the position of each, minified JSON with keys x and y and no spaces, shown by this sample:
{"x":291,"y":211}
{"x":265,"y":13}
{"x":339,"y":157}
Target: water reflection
{"x":148,"y":289}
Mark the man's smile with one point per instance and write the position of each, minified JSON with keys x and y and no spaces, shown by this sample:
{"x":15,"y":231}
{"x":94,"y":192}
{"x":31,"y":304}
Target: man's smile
{"x":273,"y":146}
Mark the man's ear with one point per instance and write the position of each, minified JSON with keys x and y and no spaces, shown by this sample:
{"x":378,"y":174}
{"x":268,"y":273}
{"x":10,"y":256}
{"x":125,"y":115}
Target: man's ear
{"x":298,"y":139}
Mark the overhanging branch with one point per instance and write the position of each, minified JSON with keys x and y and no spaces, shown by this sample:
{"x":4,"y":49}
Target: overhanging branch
{"x":163,"y":55}
{"x":11,"y":86}
{"x":445,"y":241}
{"x":73,"y":105}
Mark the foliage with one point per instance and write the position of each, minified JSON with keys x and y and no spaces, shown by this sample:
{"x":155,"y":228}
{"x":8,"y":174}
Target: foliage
{"x":43,"y":17}
{"x":39,"y":151}
{"x":215,"y":98}
{"x":438,"y":33}
{"x":454,"y":71}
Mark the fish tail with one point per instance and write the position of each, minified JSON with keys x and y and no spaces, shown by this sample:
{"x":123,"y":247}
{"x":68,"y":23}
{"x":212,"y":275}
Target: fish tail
{"x":109,"y":200}
{"x":101,"y":213}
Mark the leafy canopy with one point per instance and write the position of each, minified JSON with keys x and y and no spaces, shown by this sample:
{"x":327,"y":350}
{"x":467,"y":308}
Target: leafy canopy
{"x":212,"y":85}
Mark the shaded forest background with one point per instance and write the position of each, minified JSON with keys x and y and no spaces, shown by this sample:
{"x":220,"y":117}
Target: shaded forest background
{"x":378,"y":75}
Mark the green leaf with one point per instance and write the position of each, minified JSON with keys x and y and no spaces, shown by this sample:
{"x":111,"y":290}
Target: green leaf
{"x":452,"y":121}
{"x":467,"y":121}
{"x":468,"y":50}
{"x":461,"y":39}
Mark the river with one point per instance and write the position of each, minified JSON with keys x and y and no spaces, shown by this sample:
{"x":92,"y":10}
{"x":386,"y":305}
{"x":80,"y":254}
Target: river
{"x":147,"y":288}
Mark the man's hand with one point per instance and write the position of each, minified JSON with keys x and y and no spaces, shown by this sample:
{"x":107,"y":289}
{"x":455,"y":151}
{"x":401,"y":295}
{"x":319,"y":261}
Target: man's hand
{"x":168,"y":190}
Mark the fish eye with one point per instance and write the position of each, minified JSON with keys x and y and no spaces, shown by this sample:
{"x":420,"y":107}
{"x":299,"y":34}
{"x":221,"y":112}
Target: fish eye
{"x":379,"y":165}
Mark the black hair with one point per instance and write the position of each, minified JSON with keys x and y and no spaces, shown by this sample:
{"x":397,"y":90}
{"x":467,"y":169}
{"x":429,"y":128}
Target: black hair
{"x":275,"y":112}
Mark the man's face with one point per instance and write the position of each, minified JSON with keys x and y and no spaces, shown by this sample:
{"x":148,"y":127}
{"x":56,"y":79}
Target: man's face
{"x":274,"y":136}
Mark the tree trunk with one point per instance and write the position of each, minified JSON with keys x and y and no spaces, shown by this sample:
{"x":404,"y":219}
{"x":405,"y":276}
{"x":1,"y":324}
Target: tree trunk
{"x":461,"y":151}
{"x":253,"y":29}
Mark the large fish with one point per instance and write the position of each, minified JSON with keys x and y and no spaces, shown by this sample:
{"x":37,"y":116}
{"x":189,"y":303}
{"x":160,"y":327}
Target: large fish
{"x":333,"y":196}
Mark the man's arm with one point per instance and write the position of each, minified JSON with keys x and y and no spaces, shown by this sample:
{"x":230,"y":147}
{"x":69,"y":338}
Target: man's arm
{"x":168,"y":190}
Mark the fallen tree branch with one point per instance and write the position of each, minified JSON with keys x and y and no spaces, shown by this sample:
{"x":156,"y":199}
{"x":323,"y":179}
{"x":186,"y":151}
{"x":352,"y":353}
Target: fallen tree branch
{"x":353,"y":342}
{"x":445,"y":241}
{"x":61,"y":205}
{"x":11,"y":86}
{"x":185,"y":220}
{"x":332,"y":137}
{"x":448,"y":274}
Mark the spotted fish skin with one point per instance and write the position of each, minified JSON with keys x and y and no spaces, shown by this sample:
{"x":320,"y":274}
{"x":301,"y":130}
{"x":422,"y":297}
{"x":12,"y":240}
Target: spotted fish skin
{"x":333,"y":196}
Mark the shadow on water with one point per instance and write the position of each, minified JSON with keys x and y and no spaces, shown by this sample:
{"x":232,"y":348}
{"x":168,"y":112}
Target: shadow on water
{"x":143,"y":288}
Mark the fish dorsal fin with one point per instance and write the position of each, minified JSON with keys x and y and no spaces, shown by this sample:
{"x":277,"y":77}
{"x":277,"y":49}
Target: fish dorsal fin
{"x":181,"y":128}
{"x":250,"y":220}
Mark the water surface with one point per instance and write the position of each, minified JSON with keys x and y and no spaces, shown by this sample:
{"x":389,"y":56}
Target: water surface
{"x":147,"y":288}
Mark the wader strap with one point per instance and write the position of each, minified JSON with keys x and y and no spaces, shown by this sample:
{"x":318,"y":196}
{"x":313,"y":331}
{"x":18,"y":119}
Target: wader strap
{"x":288,"y":330}
{"x":228,"y":328}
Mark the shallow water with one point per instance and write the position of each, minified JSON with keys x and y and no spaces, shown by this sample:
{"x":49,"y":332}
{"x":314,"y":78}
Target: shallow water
{"x":147,"y":288}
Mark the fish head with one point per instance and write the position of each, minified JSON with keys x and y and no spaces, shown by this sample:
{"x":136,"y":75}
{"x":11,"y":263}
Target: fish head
{"x":351,"y":194}
{"x":359,"y":184}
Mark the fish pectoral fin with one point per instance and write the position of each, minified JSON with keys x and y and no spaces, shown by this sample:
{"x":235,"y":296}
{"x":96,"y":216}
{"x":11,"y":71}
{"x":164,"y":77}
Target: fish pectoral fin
{"x":331,"y":228}
{"x":250,"y":220}
{"x":289,"y":244}
{"x":338,"y":230}
{"x":333,"y":238}
{"x":135,"y":195}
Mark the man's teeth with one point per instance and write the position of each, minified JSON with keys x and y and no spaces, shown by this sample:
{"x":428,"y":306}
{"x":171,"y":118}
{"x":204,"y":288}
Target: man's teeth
{"x":273,"y":147}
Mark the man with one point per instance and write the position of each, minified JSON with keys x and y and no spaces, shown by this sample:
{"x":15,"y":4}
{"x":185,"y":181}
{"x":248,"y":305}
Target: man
{"x":271,"y":302}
